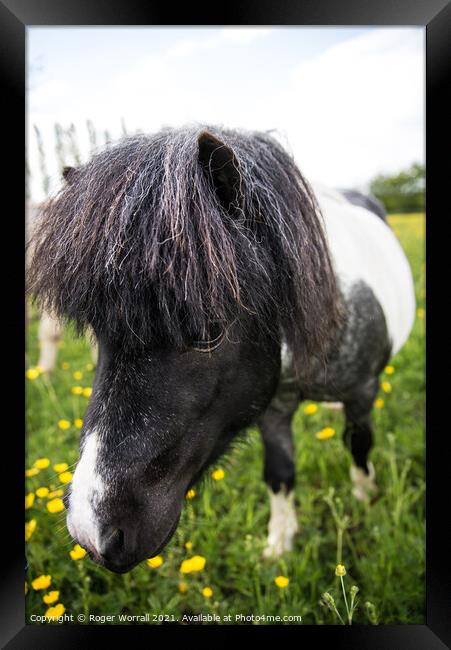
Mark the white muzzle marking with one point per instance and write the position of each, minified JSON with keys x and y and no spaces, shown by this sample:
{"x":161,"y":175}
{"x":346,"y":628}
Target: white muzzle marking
{"x":86,"y":488}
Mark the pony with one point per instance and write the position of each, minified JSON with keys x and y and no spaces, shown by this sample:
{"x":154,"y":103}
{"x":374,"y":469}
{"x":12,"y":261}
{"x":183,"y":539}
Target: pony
{"x":223,"y":290}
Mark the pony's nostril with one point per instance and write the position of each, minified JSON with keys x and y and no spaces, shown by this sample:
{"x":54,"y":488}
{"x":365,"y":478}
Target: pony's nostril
{"x":119,"y":538}
{"x":111,"y":542}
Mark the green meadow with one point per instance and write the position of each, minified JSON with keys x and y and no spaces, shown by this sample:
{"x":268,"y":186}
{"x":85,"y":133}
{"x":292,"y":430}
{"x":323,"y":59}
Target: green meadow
{"x":382,"y":545}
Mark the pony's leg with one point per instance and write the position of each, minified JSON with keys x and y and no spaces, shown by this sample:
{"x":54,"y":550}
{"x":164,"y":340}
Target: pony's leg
{"x":94,"y":352}
{"x":358,"y":437}
{"x":94,"y":347}
{"x":50,"y":330}
{"x":333,"y":406}
{"x":279,"y":471}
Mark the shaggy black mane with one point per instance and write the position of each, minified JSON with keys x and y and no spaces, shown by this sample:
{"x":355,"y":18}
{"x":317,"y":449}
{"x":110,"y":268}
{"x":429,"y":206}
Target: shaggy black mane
{"x":159,"y":235}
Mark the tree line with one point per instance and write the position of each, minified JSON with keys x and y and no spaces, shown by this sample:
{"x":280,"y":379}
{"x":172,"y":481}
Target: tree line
{"x":402,"y":192}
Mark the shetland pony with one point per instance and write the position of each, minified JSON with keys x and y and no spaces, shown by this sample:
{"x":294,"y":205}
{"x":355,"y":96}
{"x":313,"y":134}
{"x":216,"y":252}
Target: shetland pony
{"x":222,"y":290}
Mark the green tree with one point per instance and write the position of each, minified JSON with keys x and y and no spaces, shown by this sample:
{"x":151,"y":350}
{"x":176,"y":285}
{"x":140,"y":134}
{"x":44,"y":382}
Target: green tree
{"x":403,"y":192}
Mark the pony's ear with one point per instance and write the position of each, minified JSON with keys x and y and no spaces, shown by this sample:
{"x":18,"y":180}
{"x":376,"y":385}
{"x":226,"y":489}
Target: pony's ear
{"x":221,"y":166}
{"x":69,"y":173}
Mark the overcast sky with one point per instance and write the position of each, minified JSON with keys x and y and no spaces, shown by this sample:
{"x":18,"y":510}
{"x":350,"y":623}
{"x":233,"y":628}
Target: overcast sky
{"x":348,"y":102}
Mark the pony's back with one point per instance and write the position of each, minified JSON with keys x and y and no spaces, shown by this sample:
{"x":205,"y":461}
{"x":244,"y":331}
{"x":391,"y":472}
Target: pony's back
{"x":366,"y":201}
{"x":364,"y":248}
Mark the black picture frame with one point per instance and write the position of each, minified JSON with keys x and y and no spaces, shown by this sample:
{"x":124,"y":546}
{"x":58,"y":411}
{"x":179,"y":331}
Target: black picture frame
{"x":435,"y":15}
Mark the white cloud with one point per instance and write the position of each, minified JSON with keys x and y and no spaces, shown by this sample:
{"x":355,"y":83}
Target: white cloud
{"x":358,"y":107}
{"x":244,"y":34}
{"x":190,"y":47}
{"x":347,"y":113}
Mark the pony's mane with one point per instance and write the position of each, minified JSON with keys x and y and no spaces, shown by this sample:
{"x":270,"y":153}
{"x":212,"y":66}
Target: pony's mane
{"x":140,"y":243}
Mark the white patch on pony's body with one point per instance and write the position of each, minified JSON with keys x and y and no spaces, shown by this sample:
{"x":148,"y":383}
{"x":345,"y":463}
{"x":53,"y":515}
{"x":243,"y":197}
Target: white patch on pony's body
{"x":364,"y":484}
{"x":365,"y":249}
{"x":86,"y":487}
{"x":283,"y":524}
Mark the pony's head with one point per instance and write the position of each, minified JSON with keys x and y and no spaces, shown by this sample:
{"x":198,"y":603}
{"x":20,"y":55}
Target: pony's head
{"x":192,"y":254}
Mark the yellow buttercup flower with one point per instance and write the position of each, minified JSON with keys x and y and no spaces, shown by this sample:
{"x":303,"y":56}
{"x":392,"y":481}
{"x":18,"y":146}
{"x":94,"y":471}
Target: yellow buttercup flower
{"x":55,"y":505}
{"x":389,"y":370}
{"x":282,"y":581}
{"x":65,"y":477}
{"x":30,"y":527}
{"x":340,"y":570}
{"x":64,"y":424}
{"x":42,"y":463}
{"x":55,"y":612}
{"x":55,"y":493}
{"x":386,"y":387}
{"x":76,"y":390}
{"x":77,"y":553}
{"x":379,"y":403}
{"x":190,"y":494}
{"x":155,"y":562}
{"x":29,"y":500}
{"x":207,"y":592}
{"x":310,"y":409}
{"x":183,"y":587}
{"x":218,"y":475}
{"x":77,"y":375}
{"x":193,"y":564}
{"x":41,"y":583}
{"x":31,"y":472}
{"x":51,"y":597}
{"x":65,"y":365}
{"x":325,"y":433}
{"x":78,"y":423}
{"x":87,"y":392}
{"x":421,"y":313}
{"x":32,"y":373}
{"x":42,"y":492}
{"x":188,"y":546}
{"x":60,"y":467}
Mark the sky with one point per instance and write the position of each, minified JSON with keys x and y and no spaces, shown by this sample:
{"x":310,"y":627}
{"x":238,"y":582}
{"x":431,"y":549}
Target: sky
{"x":348,"y":103}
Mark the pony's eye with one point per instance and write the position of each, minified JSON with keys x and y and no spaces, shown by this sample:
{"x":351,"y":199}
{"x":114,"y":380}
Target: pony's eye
{"x":213,"y":341}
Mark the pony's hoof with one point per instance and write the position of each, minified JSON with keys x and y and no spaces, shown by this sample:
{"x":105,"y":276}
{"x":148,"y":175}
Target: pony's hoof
{"x":45,"y":369}
{"x":283,"y":524}
{"x":281,"y":538}
{"x":364,"y":486}
{"x":278,"y":546}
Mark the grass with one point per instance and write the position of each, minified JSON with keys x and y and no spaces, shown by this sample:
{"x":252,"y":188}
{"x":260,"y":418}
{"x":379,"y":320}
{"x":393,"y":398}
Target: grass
{"x":381,"y":546}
